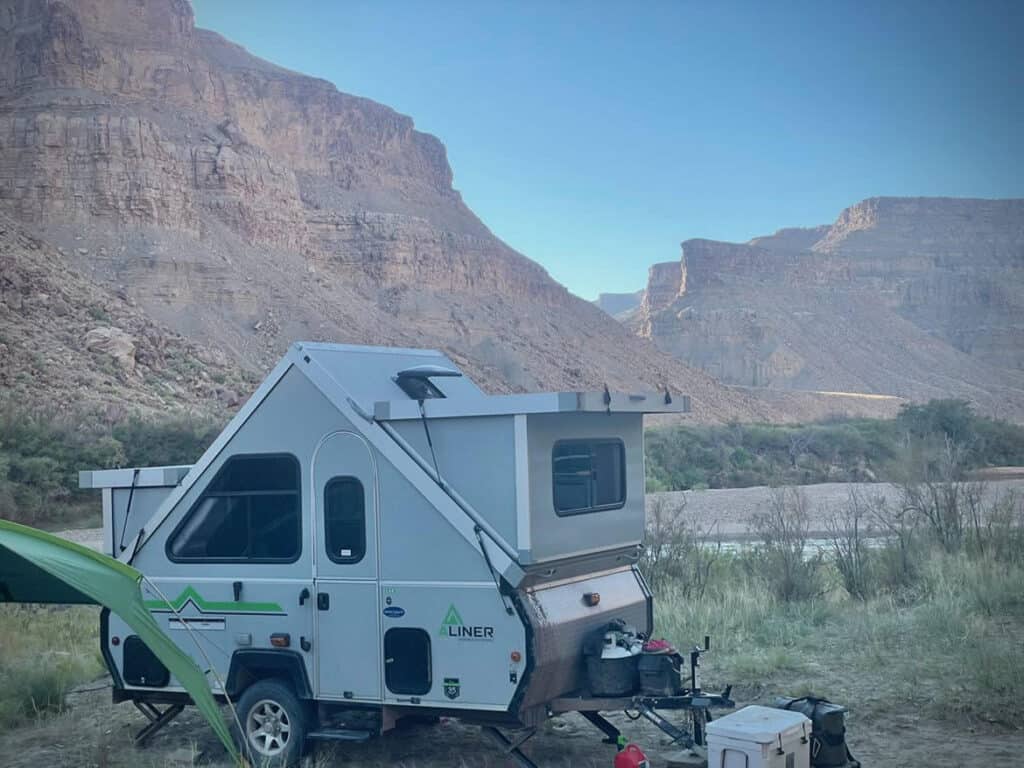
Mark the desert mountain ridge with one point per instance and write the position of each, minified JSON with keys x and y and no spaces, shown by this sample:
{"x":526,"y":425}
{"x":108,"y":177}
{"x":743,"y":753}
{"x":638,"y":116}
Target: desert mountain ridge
{"x":191,"y":191}
{"x":913,"y":297}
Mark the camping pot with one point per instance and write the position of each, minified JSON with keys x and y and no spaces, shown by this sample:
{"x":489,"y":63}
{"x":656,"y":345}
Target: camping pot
{"x":611,"y":664}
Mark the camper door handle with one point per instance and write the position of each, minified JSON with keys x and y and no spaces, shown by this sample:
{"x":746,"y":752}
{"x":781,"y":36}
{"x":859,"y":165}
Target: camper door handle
{"x":303,"y":597}
{"x":323,"y":601}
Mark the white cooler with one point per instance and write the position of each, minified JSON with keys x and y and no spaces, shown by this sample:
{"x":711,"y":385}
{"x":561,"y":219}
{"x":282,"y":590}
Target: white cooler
{"x":760,"y":737}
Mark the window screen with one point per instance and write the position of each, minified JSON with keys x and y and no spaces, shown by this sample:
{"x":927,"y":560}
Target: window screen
{"x":589,"y":475}
{"x":345,"y":520}
{"x":250,"y":511}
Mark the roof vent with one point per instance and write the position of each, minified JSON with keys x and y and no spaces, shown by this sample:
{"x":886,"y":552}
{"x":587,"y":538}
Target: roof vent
{"x":416,"y":383}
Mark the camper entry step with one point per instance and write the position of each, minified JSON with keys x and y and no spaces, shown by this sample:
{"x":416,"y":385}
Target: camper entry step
{"x":341,"y":734}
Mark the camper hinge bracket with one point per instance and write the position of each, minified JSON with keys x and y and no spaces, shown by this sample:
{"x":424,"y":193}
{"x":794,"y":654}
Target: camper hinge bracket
{"x":511,"y":748}
{"x":157,"y":720}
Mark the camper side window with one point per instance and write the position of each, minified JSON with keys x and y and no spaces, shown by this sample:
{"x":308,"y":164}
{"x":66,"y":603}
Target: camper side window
{"x":345,"y":520}
{"x":589,"y":476}
{"x":250,"y":511}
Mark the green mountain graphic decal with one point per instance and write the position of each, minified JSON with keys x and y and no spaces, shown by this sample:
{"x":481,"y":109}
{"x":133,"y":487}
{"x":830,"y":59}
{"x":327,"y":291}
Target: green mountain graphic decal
{"x":451,"y":619}
{"x":190,"y":595}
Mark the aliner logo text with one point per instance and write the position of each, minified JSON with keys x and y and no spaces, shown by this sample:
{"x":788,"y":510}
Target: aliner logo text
{"x":453,"y":626}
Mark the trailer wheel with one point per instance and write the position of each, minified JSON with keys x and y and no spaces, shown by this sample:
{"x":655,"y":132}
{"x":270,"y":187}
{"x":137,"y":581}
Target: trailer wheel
{"x":274,"y":724}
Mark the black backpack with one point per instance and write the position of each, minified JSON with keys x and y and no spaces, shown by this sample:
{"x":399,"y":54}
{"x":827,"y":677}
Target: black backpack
{"x":828,"y":731}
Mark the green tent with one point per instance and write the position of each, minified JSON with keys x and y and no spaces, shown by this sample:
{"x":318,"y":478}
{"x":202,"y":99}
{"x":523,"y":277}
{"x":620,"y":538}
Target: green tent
{"x":37,"y":567}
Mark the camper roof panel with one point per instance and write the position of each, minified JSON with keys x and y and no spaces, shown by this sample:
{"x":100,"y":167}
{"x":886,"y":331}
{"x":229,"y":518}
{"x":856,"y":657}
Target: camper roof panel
{"x":368,"y":374}
{"x":548,"y":402}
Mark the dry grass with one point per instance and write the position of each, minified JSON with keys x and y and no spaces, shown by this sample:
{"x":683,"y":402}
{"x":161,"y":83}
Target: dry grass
{"x":951,"y":647}
{"x":46,"y":652}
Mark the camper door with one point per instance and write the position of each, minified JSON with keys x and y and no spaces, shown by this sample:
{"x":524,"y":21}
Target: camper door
{"x":348,"y":646}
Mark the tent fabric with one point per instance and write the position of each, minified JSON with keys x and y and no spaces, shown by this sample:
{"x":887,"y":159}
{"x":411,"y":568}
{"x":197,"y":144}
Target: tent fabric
{"x":39,"y":567}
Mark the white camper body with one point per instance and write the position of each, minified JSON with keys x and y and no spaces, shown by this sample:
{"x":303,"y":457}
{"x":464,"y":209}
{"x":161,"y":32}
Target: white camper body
{"x":376,"y":532}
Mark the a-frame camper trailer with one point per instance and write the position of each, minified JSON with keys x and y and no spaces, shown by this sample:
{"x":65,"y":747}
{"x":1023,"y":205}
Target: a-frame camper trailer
{"x":372,"y":534}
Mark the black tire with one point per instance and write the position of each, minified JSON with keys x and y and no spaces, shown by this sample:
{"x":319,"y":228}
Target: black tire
{"x":274,"y":724}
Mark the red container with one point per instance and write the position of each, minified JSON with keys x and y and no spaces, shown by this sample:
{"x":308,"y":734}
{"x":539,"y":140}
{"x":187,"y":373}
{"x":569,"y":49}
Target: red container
{"x":631,"y":757}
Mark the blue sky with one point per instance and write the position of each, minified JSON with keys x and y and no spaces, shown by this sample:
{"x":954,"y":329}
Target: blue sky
{"x":595,"y":136}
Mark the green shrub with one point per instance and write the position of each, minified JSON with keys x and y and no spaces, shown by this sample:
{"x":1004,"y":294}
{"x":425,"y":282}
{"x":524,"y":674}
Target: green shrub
{"x":835,"y":450}
{"x":41,"y":455}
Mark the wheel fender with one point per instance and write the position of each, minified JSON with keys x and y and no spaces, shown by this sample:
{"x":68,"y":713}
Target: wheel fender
{"x":250,"y":665}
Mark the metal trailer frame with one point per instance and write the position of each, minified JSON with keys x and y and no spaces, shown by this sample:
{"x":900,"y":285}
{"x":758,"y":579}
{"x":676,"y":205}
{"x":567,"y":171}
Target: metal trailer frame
{"x":476,"y":578}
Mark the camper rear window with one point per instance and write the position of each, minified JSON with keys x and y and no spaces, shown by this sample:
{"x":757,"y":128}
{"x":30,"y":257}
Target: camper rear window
{"x":249,"y":512}
{"x":589,"y":476}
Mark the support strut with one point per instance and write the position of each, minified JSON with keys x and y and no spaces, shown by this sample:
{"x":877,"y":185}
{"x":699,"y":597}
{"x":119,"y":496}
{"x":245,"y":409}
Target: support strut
{"x":157,"y":720}
{"x":598,"y":720}
{"x":511,"y":748}
{"x":678,"y":735}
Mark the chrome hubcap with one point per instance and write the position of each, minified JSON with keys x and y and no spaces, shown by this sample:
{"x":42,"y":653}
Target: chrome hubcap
{"x":268,"y":728}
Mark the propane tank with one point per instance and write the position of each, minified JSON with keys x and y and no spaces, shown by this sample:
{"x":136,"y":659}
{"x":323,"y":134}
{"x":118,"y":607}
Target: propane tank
{"x":631,"y":756}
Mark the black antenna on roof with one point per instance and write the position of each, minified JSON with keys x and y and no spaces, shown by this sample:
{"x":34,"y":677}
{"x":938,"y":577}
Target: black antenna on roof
{"x":416,"y":382}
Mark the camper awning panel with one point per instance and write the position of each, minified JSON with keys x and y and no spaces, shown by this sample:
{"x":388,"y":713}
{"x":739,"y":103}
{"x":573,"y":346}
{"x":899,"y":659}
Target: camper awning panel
{"x":39,"y":567}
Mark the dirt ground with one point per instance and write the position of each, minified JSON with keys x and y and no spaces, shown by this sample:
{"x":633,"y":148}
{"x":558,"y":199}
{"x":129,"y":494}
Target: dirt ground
{"x":96,"y":734}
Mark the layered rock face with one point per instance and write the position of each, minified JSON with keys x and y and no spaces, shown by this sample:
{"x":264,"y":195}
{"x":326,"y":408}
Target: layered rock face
{"x":916,"y":297}
{"x":125,"y":115}
{"x":246,"y":206}
{"x":620,"y":304}
{"x":67,"y":344}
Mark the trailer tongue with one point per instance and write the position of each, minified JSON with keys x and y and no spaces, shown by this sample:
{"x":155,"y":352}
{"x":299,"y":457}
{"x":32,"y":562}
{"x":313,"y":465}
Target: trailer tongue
{"x":372,"y":537}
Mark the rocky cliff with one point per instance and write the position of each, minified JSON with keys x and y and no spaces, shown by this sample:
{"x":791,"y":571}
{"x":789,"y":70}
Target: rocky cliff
{"x":620,"y":305}
{"x":192,"y":188}
{"x":67,"y":344}
{"x":915,"y":297}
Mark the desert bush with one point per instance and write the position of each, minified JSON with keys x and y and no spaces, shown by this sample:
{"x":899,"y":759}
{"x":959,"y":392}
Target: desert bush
{"x":848,"y":531}
{"x":935,"y":495}
{"x":897,"y":563}
{"x":1002,"y":532}
{"x":782,"y":559}
{"x":675,"y":551}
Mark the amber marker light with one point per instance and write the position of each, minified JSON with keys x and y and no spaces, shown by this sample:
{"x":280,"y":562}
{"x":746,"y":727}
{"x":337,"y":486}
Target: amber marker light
{"x":516,"y":657}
